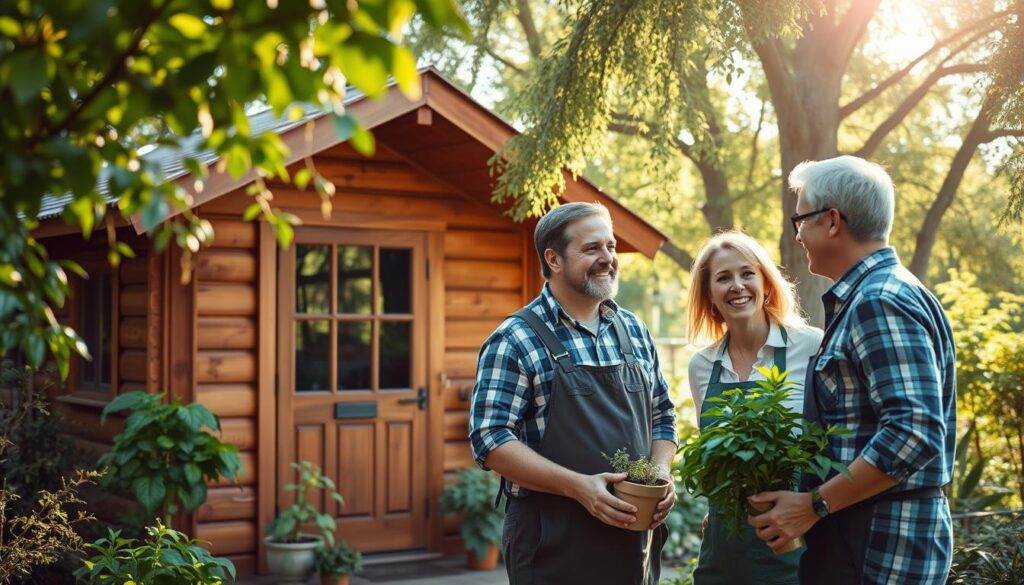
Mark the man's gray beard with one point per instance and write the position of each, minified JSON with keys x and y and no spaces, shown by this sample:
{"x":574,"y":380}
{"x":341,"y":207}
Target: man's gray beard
{"x":601,"y":292}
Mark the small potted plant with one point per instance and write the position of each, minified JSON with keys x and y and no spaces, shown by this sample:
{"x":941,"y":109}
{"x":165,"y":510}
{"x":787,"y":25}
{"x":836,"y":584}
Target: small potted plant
{"x":755,"y":444}
{"x":336,"y":563}
{"x":482,"y":522}
{"x":291,"y":553}
{"x":642,"y":486}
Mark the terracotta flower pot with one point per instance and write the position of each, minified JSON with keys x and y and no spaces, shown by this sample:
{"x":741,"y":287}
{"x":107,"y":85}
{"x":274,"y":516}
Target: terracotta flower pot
{"x":790,"y":546}
{"x":488,"y":562}
{"x":332,"y":580}
{"x":644,"y":497}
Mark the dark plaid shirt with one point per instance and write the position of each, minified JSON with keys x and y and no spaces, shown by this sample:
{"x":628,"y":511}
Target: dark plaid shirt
{"x":887,"y":374}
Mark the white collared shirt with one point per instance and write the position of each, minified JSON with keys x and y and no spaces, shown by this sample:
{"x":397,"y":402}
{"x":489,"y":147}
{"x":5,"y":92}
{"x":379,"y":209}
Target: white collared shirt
{"x":802,"y":345}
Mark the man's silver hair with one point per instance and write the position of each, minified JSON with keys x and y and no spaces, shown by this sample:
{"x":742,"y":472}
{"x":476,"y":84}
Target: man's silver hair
{"x":861,"y":190}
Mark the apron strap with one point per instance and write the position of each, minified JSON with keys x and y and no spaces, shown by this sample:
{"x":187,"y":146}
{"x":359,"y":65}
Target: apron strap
{"x":625,"y":344}
{"x":555,"y":347}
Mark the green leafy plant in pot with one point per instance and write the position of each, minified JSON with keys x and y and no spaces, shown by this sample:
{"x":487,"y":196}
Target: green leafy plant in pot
{"x":336,"y":563}
{"x":642,"y":487}
{"x":482,"y":522}
{"x":291,"y":553}
{"x":754,"y":444}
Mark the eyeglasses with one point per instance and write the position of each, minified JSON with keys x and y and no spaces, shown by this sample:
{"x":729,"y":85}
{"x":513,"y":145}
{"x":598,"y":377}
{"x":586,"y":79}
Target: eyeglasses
{"x":799,"y":218}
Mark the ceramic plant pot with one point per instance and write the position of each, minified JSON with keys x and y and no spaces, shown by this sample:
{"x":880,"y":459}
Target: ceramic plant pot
{"x":790,"y":546}
{"x":292,"y":562}
{"x":644,"y":497}
{"x":488,"y":562}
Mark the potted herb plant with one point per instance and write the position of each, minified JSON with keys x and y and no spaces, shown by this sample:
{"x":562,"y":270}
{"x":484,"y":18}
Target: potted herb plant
{"x":642,"y":486}
{"x":481,"y":524}
{"x":336,"y":563}
{"x":291,"y":553}
{"x":755,"y":444}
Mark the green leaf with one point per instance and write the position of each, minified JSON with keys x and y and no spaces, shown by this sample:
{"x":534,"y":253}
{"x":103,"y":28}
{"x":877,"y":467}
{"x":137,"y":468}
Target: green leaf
{"x":27,"y":74}
{"x":149,"y":492}
{"x":441,"y":14}
{"x":367,"y":60}
{"x":190,"y":27}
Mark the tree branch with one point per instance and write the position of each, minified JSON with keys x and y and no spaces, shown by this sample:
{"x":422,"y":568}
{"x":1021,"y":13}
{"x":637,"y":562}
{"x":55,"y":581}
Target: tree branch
{"x":1003,"y":133}
{"x":849,"y":32}
{"x":754,"y":150}
{"x":909,"y":103}
{"x":677,"y":254}
{"x":896,"y":77}
{"x":115,"y":71}
{"x":630,"y":126}
{"x":780,"y":80}
{"x":525,"y":16}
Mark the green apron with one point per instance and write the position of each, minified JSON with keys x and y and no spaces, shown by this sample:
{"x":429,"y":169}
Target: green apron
{"x":742,"y":558}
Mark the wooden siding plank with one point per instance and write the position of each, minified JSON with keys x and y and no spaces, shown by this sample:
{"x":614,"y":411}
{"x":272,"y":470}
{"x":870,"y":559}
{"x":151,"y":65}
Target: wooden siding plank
{"x":226,"y":333}
{"x":489,"y":275}
{"x":135,"y":271}
{"x":134,"y":300}
{"x":240,"y":432}
{"x":236,"y":536}
{"x":460,"y":363}
{"x":227,"y":400}
{"x":225,"y":366}
{"x":132,"y":333}
{"x":469,"y":334}
{"x":457,"y":455}
{"x":223,"y":300}
{"x":226,"y":265}
{"x":480,"y":244}
{"x":456,"y":425}
{"x":228,"y":503}
{"x":459,"y":303}
{"x":133,"y":366}
{"x":234,"y":234}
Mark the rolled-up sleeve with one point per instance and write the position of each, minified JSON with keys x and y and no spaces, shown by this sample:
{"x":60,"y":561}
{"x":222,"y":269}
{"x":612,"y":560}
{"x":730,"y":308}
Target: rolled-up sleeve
{"x":896,"y":355}
{"x":500,"y":397}
{"x":664,"y":412}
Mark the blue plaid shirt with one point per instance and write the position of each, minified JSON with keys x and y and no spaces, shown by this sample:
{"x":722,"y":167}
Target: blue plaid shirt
{"x":887,"y":374}
{"x":514,"y":374}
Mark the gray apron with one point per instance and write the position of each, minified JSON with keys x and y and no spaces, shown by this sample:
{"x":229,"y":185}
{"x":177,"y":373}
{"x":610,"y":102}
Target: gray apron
{"x":838,"y":544}
{"x":743,"y":558}
{"x":553,"y":540}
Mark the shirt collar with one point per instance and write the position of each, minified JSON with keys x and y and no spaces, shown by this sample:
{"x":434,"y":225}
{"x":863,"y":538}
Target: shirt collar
{"x":842,"y":288}
{"x":775,"y":335}
{"x":553,"y":312}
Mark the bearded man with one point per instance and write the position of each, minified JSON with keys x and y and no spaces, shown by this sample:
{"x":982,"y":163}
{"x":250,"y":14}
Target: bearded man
{"x":569,"y":377}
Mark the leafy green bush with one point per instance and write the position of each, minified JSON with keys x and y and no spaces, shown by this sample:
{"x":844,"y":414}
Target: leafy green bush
{"x":474,"y":495}
{"x":965,"y":493}
{"x":40,"y":454}
{"x":167,"y":556}
{"x":684,"y":521}
{"x":340,"y":559}
{"x":287,"y":527}
{"x":163,"y":456}
{"x":755,"y":444}
{"x":991,"y":554}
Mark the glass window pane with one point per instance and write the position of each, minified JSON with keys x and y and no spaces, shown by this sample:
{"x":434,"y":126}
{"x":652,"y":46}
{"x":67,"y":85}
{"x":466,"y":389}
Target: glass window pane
{"x":88,"y":318}
{"x":395,"y":357}
{"x":312,"y":356}
{"x":355,"y":279}
{"x":105,"y":326}
{"x":396,"y":280}
{"x":312,"y":279}
{"x":355,"y":342}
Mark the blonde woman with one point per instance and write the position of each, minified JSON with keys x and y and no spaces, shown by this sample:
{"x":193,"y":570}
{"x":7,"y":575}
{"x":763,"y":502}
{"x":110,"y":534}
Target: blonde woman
{"x":746,"y":309}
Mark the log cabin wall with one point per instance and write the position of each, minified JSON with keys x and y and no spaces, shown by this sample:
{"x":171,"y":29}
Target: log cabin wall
{"x":477,"y":259}
{"x":226,"y":381}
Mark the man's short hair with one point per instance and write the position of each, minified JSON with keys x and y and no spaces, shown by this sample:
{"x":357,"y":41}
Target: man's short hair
{"x":862,"y":191}
{"x":551,"y":229}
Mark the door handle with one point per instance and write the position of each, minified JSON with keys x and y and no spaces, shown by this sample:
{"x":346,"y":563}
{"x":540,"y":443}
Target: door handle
{"x":420,"y":399}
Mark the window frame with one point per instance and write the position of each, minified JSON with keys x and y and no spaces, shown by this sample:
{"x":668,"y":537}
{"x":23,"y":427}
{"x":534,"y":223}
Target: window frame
{"x":75,"y":387}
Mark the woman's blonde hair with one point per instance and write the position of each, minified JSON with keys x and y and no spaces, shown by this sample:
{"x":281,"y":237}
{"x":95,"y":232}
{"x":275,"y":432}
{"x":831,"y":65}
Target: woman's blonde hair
{"x":781,"y":303}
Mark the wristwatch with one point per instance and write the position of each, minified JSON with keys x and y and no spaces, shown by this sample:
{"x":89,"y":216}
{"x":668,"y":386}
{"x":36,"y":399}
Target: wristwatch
{"x":819,"y":503}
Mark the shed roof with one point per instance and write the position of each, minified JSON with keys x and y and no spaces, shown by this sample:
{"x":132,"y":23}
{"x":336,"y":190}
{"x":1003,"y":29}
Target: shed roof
{"x":470,"y":135}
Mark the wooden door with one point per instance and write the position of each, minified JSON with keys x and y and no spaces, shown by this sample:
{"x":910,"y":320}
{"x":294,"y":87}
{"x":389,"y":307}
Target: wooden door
{"x":352,"y":368}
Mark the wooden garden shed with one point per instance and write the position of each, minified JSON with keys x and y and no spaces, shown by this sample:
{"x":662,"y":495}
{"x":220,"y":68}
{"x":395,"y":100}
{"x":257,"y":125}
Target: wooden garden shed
{"x":354,"y":348}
